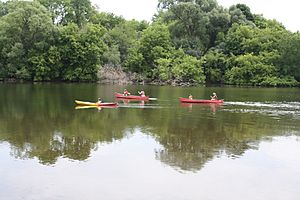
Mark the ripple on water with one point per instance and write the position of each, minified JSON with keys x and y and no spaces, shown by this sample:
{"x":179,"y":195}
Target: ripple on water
{"x":269,"y":108}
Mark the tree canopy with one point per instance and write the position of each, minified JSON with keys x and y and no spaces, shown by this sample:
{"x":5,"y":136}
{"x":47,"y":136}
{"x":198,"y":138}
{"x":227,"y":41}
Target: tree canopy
{"x":188,"y":41}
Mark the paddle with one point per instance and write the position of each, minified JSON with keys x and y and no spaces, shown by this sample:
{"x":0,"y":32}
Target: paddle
{"x":152,"y":99}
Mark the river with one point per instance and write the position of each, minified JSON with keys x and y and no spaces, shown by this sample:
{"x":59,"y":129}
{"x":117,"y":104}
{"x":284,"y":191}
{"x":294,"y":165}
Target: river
{"x":246,"y":148}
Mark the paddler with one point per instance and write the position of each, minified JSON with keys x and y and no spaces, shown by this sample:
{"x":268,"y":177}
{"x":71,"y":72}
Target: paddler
{"x":142,"y":93}
{"x":126,"y":93}
{"x":214,"y":96}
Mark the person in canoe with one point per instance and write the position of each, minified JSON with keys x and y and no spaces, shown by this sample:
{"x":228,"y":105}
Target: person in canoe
{"x":142,"y":93}
{"x":214,"y":96}
{"x":126,"y":93}
{"x":190,"y":96}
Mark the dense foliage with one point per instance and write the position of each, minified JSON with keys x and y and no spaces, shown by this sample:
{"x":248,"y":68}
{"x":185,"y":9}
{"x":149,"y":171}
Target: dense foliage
{"x":188,"y":41}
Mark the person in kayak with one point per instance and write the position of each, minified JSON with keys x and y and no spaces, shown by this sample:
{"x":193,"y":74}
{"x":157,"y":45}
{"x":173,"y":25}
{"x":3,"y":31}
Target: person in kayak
{"x":126,"y":93}
{"x":190,"y":96}
{"x":214,"y":96}
{"x":99,"y":100}
{"x":142,"y":93}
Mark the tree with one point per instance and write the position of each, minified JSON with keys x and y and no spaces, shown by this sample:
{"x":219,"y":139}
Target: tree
{"x":289,"y":61}
{"x":246,"y":11}
{"x":215,"y":66}
{"x":219,"y":22}
{"x":81,"y":50}
{"x":80,"y":11}
{"x":233,"y":41}
{"x":155,"y":43}
{"x":69,"y":11}
{"x":124,"y":36}
{"x":57,"y":8}
{"x":180,"y":67}
{"x":254,"y":70}
{"x":107,"y":20}
{"x":26,"y":32}
{"x":135,"y":59}
{"x":188,"y":69}
{"x":249,"y":70}
{"x":241,"y":14}
{"x":187,"y":25}
{"x":194,"y":25}
{"x":3,"y":8}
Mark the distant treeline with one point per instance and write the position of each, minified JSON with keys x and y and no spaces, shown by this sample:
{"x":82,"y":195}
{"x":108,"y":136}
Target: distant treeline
{"x":188,"y":41}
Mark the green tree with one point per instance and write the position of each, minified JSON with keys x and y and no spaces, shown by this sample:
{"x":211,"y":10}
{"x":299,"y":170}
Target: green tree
{"x":219,"y":22}
{"x":249,"y":70}
{"x":112,"y":56}
{"x":241,"y":14}
{"x":194,"y":25}
{"x":155,"y":43}
{"x":180,"y":67}
{"x":47,"y":65}
{"x":26,"y":32}
{"x":188,"y":69}
{"x":3,"y":8}
{"x":80,"y":11}
{"x":187,"y":25}
{"x":124,"y":36}
{"x":254,"y":70}
{"x":107,"y":20}
{"x":289,"y":61}
{"x":135,"y":59}
{"x":246,"y":11}
{"x":57,"y":8}
{"x":81,"y":50}
{"x":69,"y":11}
{"x":233,"y":41}
{"x":215,"y":66}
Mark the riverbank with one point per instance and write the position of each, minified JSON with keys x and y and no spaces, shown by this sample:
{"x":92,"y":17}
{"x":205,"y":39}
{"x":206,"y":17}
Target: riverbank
{"x":116,"y":75}
{"x":109,"y":74}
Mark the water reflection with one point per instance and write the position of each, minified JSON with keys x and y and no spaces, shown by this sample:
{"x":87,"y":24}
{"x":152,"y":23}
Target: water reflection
{"x":99,"y":108}
{"x":213,"y":106}
{"x":128,"y":101}
{"x":189,"y":148}
{"x":185,"y":145}
{"x":132,"y":103}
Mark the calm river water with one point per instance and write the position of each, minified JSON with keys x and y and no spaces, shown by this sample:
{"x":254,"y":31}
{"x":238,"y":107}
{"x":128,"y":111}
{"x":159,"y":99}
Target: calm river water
{"x":247,"y":148}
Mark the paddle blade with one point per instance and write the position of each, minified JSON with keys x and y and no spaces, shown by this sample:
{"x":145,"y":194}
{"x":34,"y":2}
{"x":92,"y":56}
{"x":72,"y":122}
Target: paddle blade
{"x":152,"y":99}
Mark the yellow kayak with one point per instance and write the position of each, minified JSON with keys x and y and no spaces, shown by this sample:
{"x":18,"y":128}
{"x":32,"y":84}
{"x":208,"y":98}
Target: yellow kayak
{"x":86,"y":103}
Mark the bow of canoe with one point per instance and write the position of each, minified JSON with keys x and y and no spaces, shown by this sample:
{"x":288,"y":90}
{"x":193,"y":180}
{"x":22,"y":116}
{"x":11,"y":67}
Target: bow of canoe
{"x":186,"y":100}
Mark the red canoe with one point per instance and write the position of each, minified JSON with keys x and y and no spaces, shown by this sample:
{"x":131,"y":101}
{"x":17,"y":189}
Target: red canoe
{"x":133,"y":97}
{"x":185,"y":100}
